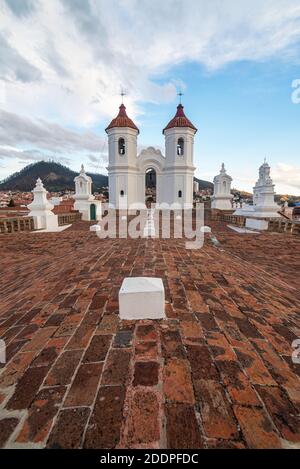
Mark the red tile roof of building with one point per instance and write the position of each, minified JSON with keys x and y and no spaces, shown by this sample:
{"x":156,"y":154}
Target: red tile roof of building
{"x":180,"y":120}
{"x":122,"y":120}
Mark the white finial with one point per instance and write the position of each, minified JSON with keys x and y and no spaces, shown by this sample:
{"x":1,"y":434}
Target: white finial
{"x":82,"y":169}
{"x":39,"y":184}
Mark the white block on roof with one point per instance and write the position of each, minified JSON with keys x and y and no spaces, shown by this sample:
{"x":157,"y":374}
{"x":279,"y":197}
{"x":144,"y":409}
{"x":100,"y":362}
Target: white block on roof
{"x":255,"y":224}
{"x":142,"y":298}
{"x":95,"y":228}
{"x":205,"y":229}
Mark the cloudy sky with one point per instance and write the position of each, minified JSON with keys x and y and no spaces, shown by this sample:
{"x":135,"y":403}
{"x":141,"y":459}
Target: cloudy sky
{"x":63,"y":62}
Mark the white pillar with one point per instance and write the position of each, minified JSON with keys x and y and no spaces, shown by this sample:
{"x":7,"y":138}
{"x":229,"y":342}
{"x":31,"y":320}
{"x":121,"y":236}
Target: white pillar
{"x":222,"y":191}
{"x":41,"y":209}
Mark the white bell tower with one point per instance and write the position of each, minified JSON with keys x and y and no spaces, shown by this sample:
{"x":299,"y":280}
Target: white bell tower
{"x":179,"y":164}
{"x":122,"y":154}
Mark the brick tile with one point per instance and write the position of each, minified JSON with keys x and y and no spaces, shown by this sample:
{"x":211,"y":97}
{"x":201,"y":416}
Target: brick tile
{"x":196,"y":301}
{"x":123,"y":339}
{"x":39,"y":338}
{"x":220,"y":347}
{"x":98,"y":348}
{"x":68,"y":430}
{"x":27,"y":388}
{"x":257,"y":428}
{"x":98,"y":301}
{"x":191,"y":329}
{"x":81,"y":337}
{"x":146,"y":332}
{"x":146,"y":350}
{"x":84,"y":386}
{"x":172,"y":345}
{"x":49,"y":354}
{"x":202,"y":364}
{"x":116,"y":367}
{"x":41,"y":414}
{"x":13,"y":348}
{"x":248,"y":329}
{"x":23,"y":332}
{"x":207,"y":321}
{"x":216,"y":414}
{"x":177,"y":381}
{"x":145,"y":374}
{"x":237,"y":383}
{"x":143,"y":419}
{"x":63,"y":369}
{"x":105,"y":423}
{"x":254,"y":368}
{"x":283,"y":413}
{"x":108,"y":325}
{"x":15,"y":368}
{"x":182,"y":427}
{"x":7,"y":426}
{"x":224,"y":444}
{"x":65,"y":330}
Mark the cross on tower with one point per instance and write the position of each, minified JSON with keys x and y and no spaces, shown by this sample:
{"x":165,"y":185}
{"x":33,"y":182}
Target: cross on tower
{"x":122,"y":93}
{"x":180,"y":94}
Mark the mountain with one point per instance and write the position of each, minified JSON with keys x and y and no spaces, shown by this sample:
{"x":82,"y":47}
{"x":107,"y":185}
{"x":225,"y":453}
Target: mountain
{"x":57,"y":177}
{"x":204,"y":184}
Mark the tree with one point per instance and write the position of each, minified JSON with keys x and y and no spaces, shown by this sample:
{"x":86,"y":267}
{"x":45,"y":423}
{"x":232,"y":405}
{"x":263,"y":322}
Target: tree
{"x":11,"y":203}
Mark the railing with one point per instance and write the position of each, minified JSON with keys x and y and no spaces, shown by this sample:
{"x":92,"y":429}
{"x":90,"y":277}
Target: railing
{"x":284,"y":226}
{"x":16,"y":224}
{"x":69,"y":218}
{"x":228,"y":218}
{"x":274,"y":224}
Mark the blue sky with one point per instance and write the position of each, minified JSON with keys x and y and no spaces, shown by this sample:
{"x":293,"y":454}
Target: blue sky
{"x":63,"y":63}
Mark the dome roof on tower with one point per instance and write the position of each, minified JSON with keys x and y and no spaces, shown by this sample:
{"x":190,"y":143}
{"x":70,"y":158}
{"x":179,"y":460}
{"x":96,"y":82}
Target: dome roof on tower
{"x":122,"y":120}
{"x":180,"y":120}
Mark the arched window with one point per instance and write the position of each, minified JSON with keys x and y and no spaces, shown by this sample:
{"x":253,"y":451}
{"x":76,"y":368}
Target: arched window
{"x":121,"y":193}
{"x":179,"y":194}
{"x":121,"y":146}
{"x":180,"y":146}
{"x":224,"y":186}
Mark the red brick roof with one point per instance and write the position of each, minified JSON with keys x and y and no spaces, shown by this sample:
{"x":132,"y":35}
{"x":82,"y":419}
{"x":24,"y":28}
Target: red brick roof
{"x":179,"y":120}
{"x":122,"y":120}
{"x":73,"y":366}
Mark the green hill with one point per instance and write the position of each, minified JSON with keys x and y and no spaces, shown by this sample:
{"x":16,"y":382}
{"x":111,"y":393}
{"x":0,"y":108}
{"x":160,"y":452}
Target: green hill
{"x":57,"y":177}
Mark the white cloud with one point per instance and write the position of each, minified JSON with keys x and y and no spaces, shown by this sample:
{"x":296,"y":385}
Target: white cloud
{"x":63,"y":61}
{"x":287,"y":178}
{"x":84,"y":51}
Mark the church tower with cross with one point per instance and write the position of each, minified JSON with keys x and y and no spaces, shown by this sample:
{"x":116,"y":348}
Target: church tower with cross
{"x":127,"y":170}
{"x":179,"y":159}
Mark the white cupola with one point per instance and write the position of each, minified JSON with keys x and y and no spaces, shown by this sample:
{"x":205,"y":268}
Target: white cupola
{"x":222,"y":191}
{"x":83,"y":186}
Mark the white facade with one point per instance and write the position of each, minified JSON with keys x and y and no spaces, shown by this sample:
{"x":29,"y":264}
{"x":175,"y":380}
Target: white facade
{"x":41,"y":209}
{"x":85,"y":202}
{"x":222,"y":197}
{"x":127,"y":170}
